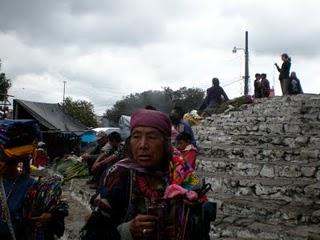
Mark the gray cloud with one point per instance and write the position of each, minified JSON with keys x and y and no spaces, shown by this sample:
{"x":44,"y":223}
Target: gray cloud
{"x":285,"y":26}
{"x":107,"y":49}
{"x":80,"y":22}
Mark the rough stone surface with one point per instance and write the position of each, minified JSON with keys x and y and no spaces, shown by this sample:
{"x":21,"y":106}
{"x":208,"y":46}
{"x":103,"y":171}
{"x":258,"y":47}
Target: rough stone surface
{"x":308,"y":171}
{"x":263,"y":162}
{"x":267,"y":171}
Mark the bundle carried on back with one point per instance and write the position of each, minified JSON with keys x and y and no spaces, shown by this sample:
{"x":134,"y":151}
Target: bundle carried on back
{"x":15,"y":133}
{"x":18,"y":141}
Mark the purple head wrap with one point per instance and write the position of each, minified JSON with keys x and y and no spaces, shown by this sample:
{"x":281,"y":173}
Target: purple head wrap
{"x":151,"y":118}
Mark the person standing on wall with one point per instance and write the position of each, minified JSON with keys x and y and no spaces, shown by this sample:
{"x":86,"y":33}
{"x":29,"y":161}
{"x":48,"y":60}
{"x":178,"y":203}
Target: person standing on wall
{"x":257,"y":86}
{"x":265,"y":86}
{"x":284,"y":73}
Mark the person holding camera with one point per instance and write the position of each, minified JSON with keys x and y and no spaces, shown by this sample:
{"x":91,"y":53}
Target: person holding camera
{"x":284,"y":73}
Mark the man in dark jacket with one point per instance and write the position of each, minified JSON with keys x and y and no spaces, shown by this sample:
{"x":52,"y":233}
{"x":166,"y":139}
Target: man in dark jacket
{"x":215,"y":96}
{"x":265,"y":86}
{"x":257,"y":86}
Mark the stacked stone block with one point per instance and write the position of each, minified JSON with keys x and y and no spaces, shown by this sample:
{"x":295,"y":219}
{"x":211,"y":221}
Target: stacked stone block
{"x":263,"y":162}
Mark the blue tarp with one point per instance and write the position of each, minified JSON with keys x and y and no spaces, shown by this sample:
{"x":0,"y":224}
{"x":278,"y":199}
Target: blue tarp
{"x":88,"y":137}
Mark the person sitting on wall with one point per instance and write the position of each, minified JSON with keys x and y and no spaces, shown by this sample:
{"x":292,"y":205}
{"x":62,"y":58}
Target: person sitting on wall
{"x":294,"y":84}
{"x":215,"y":96}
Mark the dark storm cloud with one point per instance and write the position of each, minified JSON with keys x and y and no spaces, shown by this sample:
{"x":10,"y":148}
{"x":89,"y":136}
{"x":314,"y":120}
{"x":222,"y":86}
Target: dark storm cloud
{"x":106,"y":49}
{"x":297,"y":43}
{"x":283,"y":27}
{"x":59,"y":22}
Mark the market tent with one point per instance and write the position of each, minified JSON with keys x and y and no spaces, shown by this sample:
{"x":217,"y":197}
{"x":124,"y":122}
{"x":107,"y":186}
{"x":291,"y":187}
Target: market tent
{"x":59,"y":130}
{"x":50,"y":116}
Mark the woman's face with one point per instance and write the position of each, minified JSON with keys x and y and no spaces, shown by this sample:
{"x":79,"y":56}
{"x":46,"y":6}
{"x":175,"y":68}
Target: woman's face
{"x":147,"y":146}
{"x":182,"y":144}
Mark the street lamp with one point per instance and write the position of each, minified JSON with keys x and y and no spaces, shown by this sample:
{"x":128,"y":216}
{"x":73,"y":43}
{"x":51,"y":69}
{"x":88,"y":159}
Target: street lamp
{"x":246,"y":67}
{"x":235,"y":49}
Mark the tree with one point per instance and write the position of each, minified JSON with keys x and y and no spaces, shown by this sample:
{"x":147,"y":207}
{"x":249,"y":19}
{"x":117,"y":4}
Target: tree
{"x":5,"y":84}
{"x":81,"y":110}
{"x":188,"y":98}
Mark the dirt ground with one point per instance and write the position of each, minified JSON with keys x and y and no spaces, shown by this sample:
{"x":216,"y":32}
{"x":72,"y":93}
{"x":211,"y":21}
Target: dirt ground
{"x":78,"y":211}
{"x":77,"y":194}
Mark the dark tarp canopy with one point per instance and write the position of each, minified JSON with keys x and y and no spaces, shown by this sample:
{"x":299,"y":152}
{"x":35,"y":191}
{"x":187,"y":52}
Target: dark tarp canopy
{"x":59,"y":130}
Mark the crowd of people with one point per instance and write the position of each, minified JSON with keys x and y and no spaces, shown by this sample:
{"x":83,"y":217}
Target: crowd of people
{"x":152,"y":193}
{"x":261,"y":86}
{"x":289,"y":82}
{"x":145,"y":185}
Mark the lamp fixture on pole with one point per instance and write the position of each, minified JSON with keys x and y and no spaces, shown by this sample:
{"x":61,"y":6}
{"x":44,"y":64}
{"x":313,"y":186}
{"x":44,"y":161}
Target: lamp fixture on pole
{"x":246,"y":69}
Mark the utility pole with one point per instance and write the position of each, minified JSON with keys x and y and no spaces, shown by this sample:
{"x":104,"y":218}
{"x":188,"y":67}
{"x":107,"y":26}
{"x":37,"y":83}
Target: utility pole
{"x":64,"y":91}
{"x":246,"y":65}
{"x":246,"y":71}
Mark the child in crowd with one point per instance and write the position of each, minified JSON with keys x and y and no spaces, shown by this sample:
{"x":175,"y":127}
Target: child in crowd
{"x":187,"y":149}
{"x":40,"y":156}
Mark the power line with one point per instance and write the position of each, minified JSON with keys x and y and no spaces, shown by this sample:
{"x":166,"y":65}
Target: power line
{"x":230,"y":83}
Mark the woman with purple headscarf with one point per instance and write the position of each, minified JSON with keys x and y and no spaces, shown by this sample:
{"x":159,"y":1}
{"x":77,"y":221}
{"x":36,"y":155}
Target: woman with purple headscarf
{"x":130,"y":205}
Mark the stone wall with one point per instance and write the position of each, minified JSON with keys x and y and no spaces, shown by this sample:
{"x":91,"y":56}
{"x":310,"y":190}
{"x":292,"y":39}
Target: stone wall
{"x":263,"y":162}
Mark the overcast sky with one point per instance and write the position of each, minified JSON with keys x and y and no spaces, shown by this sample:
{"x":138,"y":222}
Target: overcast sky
{"x":107,"y":49}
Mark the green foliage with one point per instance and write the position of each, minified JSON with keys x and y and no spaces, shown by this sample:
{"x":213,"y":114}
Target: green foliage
{"x":5,"y":84}
{"x":81,"y":110}
{"x":188,"y":98}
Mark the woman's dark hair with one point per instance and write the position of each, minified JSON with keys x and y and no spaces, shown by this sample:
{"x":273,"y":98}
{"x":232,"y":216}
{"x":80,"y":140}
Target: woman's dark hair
{"x":286,"y":56}
{"x":176,"y":115}
{"x":167,"y":151}
{"x":150,"y":107}
{"x":114,"y":136}
{"x":293,"y":75}
{"x":174,"y":118}
{"x":215,"y":82}
{"x":184,"y":136}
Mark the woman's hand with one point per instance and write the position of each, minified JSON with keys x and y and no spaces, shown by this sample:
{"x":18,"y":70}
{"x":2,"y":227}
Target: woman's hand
{"x":95,"y":166}
{"x":143,"y":225}
{"x":42,"y":220}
